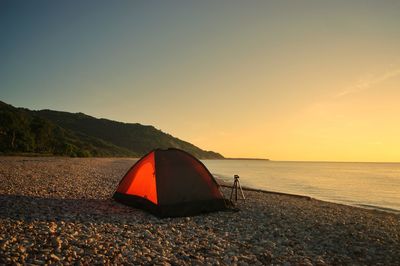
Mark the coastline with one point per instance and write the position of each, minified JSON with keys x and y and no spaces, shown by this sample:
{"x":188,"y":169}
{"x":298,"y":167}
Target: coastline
{"x":59,"y":210}
{"x":225,"y":184}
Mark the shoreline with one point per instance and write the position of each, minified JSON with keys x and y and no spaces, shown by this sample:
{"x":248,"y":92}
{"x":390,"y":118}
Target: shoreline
{"x":60,"y":211}
{"x":225,"y":184}
{"x":220,"y":181}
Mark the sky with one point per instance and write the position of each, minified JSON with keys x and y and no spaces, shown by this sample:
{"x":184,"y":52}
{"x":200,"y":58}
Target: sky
{"x":285,"y":80}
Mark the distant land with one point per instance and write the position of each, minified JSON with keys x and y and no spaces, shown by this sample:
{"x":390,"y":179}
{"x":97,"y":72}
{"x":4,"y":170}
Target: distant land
{"x":251,"y":159}
{"x":48,"y":132}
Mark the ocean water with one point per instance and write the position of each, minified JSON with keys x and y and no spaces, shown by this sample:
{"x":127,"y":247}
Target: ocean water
{"x":368,"y":185}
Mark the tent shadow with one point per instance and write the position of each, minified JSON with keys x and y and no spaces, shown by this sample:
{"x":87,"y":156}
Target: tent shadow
{"x":29,"y":208}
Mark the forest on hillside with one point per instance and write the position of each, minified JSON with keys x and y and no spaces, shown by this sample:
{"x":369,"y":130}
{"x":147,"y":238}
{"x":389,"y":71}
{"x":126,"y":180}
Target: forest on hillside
{"x":48,"y":132}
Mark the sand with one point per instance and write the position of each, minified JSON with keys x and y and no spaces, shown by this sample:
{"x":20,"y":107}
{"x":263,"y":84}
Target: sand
{"x":60,"y":211}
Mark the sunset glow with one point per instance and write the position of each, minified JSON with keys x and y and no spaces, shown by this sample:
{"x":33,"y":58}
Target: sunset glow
{"x":285,"y":80}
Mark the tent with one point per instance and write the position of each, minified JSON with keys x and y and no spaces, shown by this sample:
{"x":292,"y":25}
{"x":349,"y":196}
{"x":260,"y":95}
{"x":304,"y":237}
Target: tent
{"x":170,"y":183}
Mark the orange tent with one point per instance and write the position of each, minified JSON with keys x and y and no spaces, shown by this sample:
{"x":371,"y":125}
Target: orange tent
{"x":170,"y":183}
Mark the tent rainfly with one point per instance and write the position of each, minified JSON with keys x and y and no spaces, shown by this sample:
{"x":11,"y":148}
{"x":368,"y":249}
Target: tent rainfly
{"x":170,"y":183}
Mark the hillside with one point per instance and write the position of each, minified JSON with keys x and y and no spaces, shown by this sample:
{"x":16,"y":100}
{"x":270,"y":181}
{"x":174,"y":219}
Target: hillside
{"x":63,"y":133}
{"x":22,"y":131}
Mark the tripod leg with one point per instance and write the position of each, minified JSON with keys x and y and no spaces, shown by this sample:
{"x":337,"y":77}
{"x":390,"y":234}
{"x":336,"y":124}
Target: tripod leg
{"x":241,"y":190}
{"x":236,"y":187}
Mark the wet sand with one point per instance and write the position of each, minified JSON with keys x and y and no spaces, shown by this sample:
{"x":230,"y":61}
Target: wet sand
{"x":59,"y":210}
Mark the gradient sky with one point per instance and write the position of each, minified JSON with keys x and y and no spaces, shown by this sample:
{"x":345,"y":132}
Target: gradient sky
{"x":286,"y":80}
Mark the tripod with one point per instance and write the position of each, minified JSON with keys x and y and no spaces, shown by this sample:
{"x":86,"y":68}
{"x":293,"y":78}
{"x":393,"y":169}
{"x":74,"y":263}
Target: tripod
{"x":235,"y":187}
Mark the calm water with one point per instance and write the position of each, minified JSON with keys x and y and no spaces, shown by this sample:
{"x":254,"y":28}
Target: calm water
{"x":368,"y":185}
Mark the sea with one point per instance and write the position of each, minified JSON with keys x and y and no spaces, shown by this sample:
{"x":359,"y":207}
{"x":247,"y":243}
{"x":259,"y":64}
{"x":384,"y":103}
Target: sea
{"x":366,"y":185}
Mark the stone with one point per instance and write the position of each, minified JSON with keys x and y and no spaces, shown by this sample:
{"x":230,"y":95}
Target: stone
{"x":54,"y":257}
{"x":21,"y":249}
{"x":56,"y":241}
{"x":307,"y":262}
{"x":80,"y":225}
{"x":39,"y":262}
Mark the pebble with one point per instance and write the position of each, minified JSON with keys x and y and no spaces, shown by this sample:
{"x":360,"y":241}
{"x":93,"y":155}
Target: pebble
{"x":21,"y":249}
{"x":59,"y":210}
{"x":54,"y":257}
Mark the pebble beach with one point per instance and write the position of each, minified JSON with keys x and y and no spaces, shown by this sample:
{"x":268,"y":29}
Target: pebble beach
{"x":59,"y":211}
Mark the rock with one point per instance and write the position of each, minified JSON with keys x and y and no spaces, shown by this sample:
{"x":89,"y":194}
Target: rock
{"x":39,"y":262}
{"x":145,"y":250}
{"x":320,"y":262}
{"x":21,"y":249}
{"x":148,"y":234}
{"x":306,"y":262}
{"x":266,"y":256}
{"x":54,"y":257}
{"x":56,"y":242}
{"x":52,"y":227}
{"x":80,"y":225}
